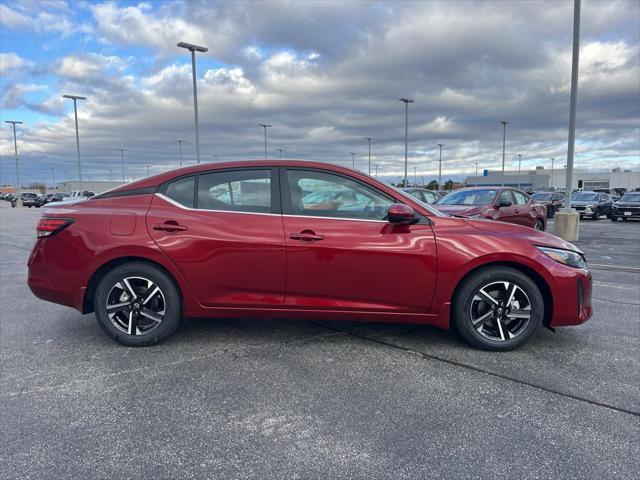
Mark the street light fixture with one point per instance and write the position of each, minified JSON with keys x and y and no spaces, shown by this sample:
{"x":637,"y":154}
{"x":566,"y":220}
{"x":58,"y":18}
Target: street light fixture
{"x":369,"y":140}
{"x":440,"y":167}
{"x":193,"y":49}
{"x":280,"y":150}
{"x":265,"y":126}
{"x":406,"y":101}
{"x":75,"y":98}
{"x":353,"y":160}
{"x":504,"y":137}
{"x":15,"y":146}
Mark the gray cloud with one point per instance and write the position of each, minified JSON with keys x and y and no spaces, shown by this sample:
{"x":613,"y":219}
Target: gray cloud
{"x":326,"y":75}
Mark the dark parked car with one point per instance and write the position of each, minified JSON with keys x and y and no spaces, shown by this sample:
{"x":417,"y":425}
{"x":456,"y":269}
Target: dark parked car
{"x":592,"y":204}
{"x":495,"y":203}
{"x":28,"y":200}
{"x":627,"y":207}
{"x":552,"y":200}
{"x":146,"y":254}
{"x":422,"y":194}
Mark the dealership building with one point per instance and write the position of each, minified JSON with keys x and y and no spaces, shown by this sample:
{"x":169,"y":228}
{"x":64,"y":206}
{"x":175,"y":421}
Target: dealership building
{"x":545,"y":179}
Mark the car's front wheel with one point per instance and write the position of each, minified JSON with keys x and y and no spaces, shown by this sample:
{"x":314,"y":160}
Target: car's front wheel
{"x":497,"y":308}
{"x":138,"y":304}
{"x":539,"y":225}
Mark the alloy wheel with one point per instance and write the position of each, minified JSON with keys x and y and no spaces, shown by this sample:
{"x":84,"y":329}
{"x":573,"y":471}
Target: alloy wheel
{"x":539,"y":226}
{"x":500,"y":311}
{"x":136,"y":305}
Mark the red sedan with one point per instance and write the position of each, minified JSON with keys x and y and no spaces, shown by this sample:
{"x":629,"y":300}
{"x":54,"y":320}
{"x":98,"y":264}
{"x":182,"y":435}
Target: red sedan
{"x":495,"y":203}
{"x":292,"y":239}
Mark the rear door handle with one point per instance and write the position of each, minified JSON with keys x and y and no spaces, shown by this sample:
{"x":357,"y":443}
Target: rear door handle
{"x":170,"y":226}
{"x":306,"y":236}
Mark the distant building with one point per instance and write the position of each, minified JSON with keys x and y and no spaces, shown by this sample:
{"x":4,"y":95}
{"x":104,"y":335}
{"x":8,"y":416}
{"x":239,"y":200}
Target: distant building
{"x":543,"y":179}
{"x":96,"y":187}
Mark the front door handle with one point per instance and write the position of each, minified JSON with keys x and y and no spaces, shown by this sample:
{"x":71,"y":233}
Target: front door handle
{"x":170,"y":226}
{"x":306,"y":236}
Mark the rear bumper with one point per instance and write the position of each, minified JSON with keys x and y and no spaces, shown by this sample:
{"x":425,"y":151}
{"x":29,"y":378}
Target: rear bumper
{"x":57,"y":272}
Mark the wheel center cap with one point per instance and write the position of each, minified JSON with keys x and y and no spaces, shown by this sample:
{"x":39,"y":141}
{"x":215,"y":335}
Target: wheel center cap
{"x":136,"y":306}
{"x":500,"y":310}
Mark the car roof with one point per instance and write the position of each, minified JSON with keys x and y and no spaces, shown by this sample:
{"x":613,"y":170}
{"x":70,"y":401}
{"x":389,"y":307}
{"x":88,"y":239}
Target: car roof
{"x":160,"y":178}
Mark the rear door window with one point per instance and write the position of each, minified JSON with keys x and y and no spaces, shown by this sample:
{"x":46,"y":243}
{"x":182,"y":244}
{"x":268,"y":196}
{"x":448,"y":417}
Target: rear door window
{"x":236,"y":191}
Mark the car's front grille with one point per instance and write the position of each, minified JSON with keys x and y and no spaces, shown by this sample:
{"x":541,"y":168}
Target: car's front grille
{"x":579,"y":208}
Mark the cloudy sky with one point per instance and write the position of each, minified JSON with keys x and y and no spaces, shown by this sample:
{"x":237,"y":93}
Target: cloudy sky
{"x":325,"y":75}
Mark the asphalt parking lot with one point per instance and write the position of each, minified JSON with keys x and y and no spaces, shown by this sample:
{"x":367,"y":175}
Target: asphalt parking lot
{"x":286,"y":399}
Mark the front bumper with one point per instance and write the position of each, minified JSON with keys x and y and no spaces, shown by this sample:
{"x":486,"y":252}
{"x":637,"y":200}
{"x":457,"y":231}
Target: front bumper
{"x":571,"y":296}
{"x":625,"y":213}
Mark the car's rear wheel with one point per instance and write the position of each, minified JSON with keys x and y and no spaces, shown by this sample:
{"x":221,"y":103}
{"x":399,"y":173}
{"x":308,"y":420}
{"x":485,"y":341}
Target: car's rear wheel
{"x":138,"y":304}
{"x":497,"y":308}
{"x":596,"y":215}
{"x":539,"y":225}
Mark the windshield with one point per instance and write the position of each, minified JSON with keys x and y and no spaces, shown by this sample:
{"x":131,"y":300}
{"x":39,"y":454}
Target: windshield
{"x":584,"y":197}
{"x":631,"y":197}
{"x":469,"y":197}
{"x":542,"y":196}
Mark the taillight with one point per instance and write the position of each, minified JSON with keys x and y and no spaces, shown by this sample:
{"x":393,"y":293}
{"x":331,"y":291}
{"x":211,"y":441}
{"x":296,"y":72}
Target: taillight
{"x":48,"y":226}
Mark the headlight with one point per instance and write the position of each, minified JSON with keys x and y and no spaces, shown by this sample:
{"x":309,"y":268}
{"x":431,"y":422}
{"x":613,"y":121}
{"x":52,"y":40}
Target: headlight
{"x":567,"y":257}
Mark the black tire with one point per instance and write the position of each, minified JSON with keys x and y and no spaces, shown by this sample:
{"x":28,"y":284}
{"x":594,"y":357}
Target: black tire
{"x":614,"y":219}
{"x":624,"y":219}
{"x":538,"y":225}
{"x":169,"y":297}
{"x":466,"y":295}
{"x":596,"y":215}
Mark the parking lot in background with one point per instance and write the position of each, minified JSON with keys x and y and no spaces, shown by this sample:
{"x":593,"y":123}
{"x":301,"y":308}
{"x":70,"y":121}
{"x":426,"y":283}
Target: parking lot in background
{"x":287,"y":399}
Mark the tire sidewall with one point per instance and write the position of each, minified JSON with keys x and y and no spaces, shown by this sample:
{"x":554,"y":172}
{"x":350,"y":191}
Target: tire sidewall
{"x":464,"y":297}
{"x":173,"y":315}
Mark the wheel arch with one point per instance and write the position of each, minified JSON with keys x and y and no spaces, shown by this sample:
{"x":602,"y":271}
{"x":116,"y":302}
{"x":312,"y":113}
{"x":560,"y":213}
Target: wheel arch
{"x":102,"y":270}
{"x":540,"y":282}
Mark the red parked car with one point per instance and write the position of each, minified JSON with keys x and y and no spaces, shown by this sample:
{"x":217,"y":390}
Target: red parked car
{"x":272,"y":239}
{"x":495,"y":203}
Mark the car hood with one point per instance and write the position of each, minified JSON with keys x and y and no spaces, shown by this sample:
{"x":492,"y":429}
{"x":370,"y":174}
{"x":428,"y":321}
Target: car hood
{"x":534,"y":236}
{"x":582,"y":204}
{"x":627,"y":204}
{"x":464,"y":210}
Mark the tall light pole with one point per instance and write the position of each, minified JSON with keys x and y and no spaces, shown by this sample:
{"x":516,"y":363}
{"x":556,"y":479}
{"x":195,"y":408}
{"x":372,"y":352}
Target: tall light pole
{"x":353,"y":160}
{"x":552,"y":160}
{"x":215,"y":157}
{"x":53,"y":177}
{"x":440,"y":167}
{"x":415,"y":176}
{"x":148,"y":167}
{"x":572,"y":105}
{"x":476,"y":169}
{"x":15,"y":147}
{"x":406,"y":101}
{"x":376,"y":171}
{"x":122,"y":150}
{"x":179,"y":142}
{"x":280,"y":150}
{"x":75,"y":98}
{"x":369,"y":140}
{"x":519,"y":163}
{"x":265,"y":126}
{"x":504,"y":139}
{"x":193,"y":49}
{"x":110,"y":175}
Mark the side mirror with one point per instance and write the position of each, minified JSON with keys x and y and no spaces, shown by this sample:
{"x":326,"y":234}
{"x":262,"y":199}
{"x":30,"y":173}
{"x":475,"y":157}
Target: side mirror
{"x":401,"y":214}
{"x":504,"y":203}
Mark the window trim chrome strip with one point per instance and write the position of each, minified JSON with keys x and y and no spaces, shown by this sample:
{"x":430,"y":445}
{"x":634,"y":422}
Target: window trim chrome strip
{"x":179,"y":205}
